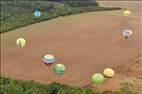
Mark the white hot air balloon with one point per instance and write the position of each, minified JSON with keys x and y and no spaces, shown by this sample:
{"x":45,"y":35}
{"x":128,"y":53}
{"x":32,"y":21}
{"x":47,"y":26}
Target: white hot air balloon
{"x":48,"y":59}
{"x":127,"y":33}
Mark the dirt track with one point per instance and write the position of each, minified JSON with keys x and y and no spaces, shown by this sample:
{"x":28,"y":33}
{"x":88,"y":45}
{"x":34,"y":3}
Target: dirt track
{"x":85,"y":43}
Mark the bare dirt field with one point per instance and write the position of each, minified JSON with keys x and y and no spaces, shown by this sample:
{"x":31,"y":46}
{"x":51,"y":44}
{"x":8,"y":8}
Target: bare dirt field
{"x":85,"y":43}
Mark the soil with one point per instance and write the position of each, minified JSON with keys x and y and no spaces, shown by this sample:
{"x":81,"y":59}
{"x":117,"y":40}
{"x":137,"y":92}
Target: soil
{"x":85,"y":43}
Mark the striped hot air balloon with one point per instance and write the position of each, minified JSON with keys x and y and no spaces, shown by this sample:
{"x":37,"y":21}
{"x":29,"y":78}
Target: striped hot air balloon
{"x":97,"y":79}
{"x":21,"y":42}
{"x":48,"y":59}
{"x":127,"y":33}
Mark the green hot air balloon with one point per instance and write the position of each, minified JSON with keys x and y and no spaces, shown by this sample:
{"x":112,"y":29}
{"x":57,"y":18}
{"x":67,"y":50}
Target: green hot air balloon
{"x":97,"y":79}
{"x":59,"y":69}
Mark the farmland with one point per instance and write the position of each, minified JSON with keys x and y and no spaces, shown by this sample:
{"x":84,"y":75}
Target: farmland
{"x":85,"y":43}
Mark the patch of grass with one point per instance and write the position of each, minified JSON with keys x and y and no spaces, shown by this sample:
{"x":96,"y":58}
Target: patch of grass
{"x":128,"y":88}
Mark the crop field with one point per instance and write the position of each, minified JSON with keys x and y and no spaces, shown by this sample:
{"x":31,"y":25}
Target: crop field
{"x":85,"y":43}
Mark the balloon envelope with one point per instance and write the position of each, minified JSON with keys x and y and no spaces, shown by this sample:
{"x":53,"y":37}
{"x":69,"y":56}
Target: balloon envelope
{"x":37,"y":13}
{"x":97,"y":79}
{"x":126,"y":13}
{"x":21,"y":42}
{"x":48,"y":59}
{"x":59,"y":69}
{"x":127,"y":33}
{"x":108,"y":72}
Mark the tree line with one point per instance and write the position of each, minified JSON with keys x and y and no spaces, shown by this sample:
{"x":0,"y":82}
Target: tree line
{"x":12,"y":86}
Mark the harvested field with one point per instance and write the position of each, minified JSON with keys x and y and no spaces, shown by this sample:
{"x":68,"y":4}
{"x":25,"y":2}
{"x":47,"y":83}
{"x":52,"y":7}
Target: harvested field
{"x":85,"y":43}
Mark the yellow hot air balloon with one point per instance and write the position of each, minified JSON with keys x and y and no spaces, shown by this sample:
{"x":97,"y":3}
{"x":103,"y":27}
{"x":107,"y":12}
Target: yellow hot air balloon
{"x":127,"y":13}
{"x":21,"y":42}
{"x":109,"y":72}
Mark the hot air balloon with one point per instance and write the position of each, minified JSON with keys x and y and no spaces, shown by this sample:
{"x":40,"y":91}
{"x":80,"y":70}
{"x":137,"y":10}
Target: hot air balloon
{"x":21,"y":42}
{"x":127,"y":33}
{"x":48,"y":59}
{"x":37,"y":13}
{"x":109,"y":72}
{"x":127,"y":13}
{"x":97,"y":79}
{"x":59,"y":69}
